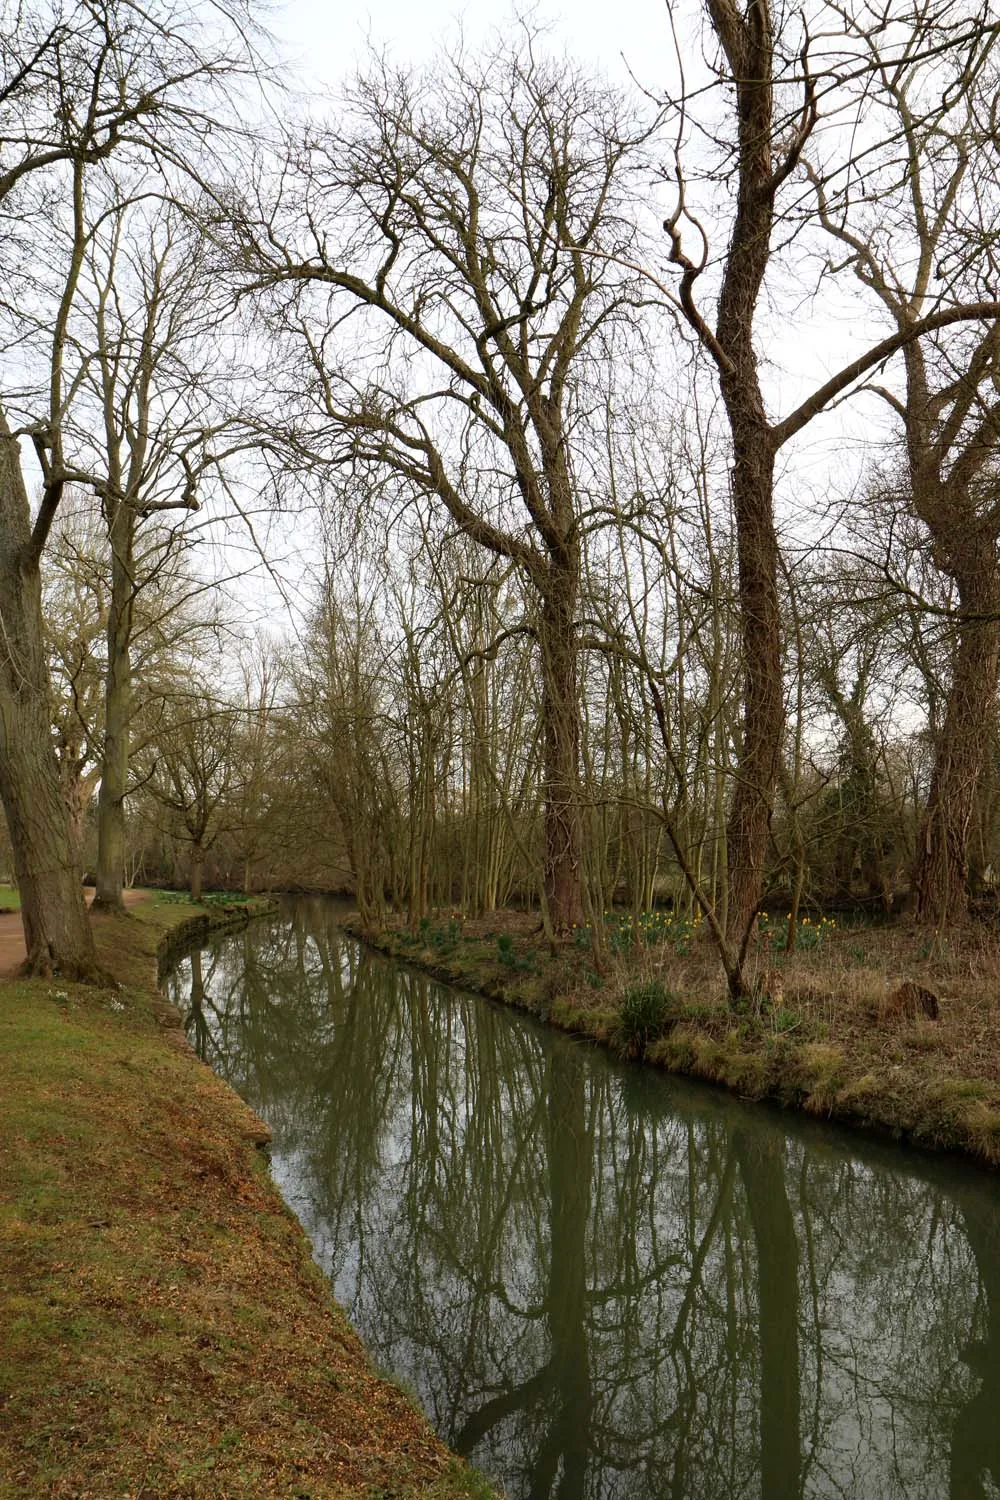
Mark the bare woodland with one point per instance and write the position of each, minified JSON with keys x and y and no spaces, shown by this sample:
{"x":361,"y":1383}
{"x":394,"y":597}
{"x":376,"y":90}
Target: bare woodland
{"x":637,"y":448}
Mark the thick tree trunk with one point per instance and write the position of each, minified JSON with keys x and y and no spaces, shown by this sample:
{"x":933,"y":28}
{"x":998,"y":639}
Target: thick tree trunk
{"x":56,"y":930}
{"x":561,"y":740}
{"x":117,"y":716}
{"x":77,"y":789}
{"x":763,"y":705}
{"x":748,"y":43}
{"x":941,"y":867}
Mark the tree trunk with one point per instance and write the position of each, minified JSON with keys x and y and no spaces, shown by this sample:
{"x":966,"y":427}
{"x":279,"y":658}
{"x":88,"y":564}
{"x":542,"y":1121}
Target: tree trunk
{"x":763,"y":707}
{"x":117,"y":716}
{"x":197,"y":870}
{"x":76,"y":789}
{"x":942,"y":861}
{"x":56,"y":931}
{"x":561,"y":754}
{"x":749,"y":45}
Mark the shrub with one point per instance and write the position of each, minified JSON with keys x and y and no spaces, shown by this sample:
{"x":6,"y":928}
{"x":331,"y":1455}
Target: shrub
{"x":505,"y":951}
{"x":646,"y":1011}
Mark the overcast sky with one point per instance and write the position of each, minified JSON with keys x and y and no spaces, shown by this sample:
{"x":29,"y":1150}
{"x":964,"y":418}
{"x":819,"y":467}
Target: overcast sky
{"x":324,"y":40}
{"x":325,"y":43}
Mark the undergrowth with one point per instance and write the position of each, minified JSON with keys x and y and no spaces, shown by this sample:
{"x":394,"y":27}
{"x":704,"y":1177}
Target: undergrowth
{"x":818,"y":1029}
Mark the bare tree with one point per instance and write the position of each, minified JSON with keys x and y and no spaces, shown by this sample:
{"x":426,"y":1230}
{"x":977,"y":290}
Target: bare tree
{"x":77,"y":90}
{"x":195,"y":774}
{"x":258,"y":748}
{"x":343,"y":751}
{"x":917,"y":223}
{"x":775,"y":95}
{"x":470,"y":231}
{"x":76,"y":608}
{"x":147,"y":425}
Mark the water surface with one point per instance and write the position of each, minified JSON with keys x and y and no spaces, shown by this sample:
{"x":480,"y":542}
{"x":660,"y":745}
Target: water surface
{"x":600,"y":1281}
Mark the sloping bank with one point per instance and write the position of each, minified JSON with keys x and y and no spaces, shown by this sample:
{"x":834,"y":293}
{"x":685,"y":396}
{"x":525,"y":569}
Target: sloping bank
{"x":917,"y":1082}
{"x":165,"y":1331}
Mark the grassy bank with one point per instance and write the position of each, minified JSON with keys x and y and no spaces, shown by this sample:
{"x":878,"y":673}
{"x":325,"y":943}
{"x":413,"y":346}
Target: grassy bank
{"x":165,"y":1331}
{"x":825,"y":1031}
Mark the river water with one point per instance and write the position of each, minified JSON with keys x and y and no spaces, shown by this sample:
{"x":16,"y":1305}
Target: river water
{"x":600,"y":1281}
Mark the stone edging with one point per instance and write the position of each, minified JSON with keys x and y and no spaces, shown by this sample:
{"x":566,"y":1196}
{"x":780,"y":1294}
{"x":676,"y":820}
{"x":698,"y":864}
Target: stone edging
{"x":172,"y":945}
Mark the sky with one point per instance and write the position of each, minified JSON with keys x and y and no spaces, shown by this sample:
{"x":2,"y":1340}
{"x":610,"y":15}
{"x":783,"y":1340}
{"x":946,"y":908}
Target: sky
{"x":324,"y":44}
{"x":325,"y":41}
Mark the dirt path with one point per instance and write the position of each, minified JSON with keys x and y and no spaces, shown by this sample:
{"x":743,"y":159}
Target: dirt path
{"x":12,"y":950}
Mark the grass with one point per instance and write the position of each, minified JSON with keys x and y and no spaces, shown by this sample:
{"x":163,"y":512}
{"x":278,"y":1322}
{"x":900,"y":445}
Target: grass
{"x":11,"y":901}
{"x":165,"y":1331}
{"x":818,"y":1031}
{"x":209,"y":899}
{"x":645,"y":1012}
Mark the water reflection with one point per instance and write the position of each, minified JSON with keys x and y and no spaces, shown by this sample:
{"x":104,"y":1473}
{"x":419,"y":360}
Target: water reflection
{"x":603,"y":1283}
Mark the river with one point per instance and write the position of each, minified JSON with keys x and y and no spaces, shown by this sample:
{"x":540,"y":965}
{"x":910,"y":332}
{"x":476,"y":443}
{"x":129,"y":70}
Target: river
{"x":600,"y":1281}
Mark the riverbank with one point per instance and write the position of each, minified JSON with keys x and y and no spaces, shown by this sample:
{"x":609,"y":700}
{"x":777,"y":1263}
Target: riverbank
{"x":165,"y":1330}
{"x":831,"y":1031}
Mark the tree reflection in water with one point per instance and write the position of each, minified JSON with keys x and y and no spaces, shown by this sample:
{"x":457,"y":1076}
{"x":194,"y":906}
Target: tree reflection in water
{"x":605,"y":1283}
